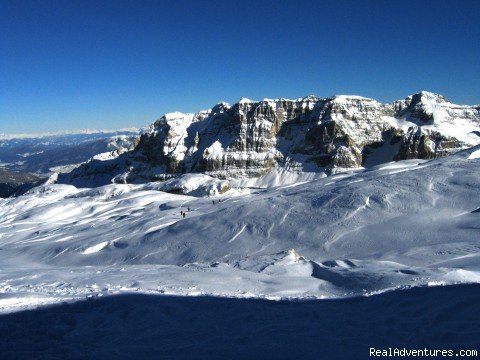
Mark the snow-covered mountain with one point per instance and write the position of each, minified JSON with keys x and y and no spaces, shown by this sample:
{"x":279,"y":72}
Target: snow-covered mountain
{"x":128,"y":272}
{"x":309,"y":135}
{"x":47,"y":153}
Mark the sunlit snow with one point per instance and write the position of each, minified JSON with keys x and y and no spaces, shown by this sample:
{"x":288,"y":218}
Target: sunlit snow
{"x":393,"y":226}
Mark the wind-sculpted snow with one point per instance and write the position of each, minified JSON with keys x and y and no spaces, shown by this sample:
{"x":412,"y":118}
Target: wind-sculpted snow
{"x":396,"y":225}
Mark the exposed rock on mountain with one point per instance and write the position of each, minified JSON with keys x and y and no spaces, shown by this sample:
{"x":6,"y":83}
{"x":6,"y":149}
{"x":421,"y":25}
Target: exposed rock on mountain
{"x":310,"y":134}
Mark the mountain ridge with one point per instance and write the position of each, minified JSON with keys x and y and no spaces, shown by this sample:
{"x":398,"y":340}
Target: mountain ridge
{"x":65,"y":133}
{"x":311,"y":134}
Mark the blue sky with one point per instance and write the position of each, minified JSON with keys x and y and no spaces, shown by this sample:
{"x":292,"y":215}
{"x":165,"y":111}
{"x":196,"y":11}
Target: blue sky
{"x":113,"y":64}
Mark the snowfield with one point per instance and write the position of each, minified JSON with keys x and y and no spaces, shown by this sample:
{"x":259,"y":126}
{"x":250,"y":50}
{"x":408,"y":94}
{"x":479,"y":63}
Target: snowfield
{"x":380,"y":231}
{"x":410,"y":223}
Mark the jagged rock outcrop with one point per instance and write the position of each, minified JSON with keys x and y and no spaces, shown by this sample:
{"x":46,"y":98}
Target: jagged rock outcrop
{"x":251,"y":137}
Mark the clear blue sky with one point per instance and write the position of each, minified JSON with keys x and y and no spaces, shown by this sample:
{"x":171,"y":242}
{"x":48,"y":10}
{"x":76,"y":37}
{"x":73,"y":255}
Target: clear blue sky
{"x":110,"y":64}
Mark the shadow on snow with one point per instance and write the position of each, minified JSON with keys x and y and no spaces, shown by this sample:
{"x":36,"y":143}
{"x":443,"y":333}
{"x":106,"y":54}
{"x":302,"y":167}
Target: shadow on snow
{"x":140,"y":326}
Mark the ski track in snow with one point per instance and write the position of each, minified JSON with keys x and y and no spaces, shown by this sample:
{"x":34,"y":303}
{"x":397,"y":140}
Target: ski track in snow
{"x":158,"y":227}
{"x":238,"y":234}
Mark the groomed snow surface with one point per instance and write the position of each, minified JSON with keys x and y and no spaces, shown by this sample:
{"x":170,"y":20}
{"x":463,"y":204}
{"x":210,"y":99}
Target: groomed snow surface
{"x":323,"y":268}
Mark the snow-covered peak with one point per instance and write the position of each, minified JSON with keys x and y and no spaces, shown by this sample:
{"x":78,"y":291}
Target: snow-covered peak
{"x":310,"y":98}
{"x":223,"y":104}
{"x":426,"y":97}
{"x":220,"y":107}
{"x":177,"y":116}
{"x":245,"y":100}
{"x":430,"y":94}
{"x":348,"y":98}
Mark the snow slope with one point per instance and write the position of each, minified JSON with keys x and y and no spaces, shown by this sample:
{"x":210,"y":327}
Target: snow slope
{"x":396,"y":225}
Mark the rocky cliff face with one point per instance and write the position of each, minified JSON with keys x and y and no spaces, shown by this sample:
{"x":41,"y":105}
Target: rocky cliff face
{"x":251,"y":137}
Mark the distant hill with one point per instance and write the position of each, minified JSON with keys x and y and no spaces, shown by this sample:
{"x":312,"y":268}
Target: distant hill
{"x":48,"y":153}
{"x":13,"y":183}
